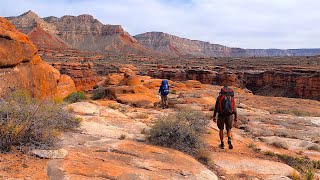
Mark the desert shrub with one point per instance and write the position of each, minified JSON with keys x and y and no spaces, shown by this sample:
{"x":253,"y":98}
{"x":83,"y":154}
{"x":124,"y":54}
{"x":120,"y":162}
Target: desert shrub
{"x":280,"y":144}
{"x":75,"y":97}
{"x":196,"y":119}
{"x":122,"y":137}
{"x":314,"y":147}
{"x":174,"y":91}
{"x":204,"y":156}
{"x":181,"y":131}
{"x":113,"y":106}
{"x":99,"y":93}
{"x":26,"y":122}
{"x":294,"y":112}
{"x":305,"y":166}
{"x":142,"y":116}
{"x":253,"y":147}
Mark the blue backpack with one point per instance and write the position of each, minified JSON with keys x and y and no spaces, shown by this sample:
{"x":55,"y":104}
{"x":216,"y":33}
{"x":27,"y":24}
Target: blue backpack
{"x":164,"y":88}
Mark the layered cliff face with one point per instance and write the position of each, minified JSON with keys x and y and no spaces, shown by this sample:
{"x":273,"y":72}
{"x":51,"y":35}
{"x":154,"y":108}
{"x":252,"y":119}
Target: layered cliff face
{"x":174,"y":45}
{"x":86,"y":33}
{"x":287,"y":82}
{"x":21,"y":68}
{"x":78,"y":32}
{"x":293,"y":82}
{"x":41,"y":33}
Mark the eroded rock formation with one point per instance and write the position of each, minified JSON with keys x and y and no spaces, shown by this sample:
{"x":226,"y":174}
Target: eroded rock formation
{"x":21,"y":68}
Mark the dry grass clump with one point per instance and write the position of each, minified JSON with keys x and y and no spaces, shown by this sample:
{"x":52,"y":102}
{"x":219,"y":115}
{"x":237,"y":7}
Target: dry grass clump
{"x":314,"y":147}
{"x":142,"y":116}
{"x":26,"y":122}
{"x":181,"y":131}
{"x":294,"y":112}
{"x":280,"y":144}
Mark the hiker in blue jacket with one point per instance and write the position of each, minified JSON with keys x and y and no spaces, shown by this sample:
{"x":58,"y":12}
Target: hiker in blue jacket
{"x":164,"y":91}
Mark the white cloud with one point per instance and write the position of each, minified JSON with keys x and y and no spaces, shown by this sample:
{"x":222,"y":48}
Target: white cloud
{"x":240,"y":23}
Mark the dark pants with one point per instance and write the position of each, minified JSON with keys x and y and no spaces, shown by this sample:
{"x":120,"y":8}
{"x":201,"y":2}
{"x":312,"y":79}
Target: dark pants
{"x":225,"y":120}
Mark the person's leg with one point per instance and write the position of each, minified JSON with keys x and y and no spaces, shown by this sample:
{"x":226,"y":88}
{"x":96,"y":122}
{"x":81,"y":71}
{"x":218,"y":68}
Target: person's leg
{"x":229,"y":132}
{"x":162,"y":101}
{"x":166,"y":101}
{"x":220,"y":123}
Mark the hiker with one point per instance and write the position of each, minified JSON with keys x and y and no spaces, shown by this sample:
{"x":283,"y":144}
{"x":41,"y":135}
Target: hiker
{"x":164,"y":91}
{"x":225,"y":107}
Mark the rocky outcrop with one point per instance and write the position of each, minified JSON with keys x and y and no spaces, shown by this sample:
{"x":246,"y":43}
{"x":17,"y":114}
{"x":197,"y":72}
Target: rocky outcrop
{"x":174,"y":45}
{"x":21,"y":68}
{"x":81,"y":73}
{"x":294,"y":82}
{"x":219,"y":77}
{"x":287,"y":82}
{"x":129,"y":88}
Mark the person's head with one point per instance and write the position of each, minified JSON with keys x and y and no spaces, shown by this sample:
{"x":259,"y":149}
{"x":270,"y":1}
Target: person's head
{"x":164,"y":81}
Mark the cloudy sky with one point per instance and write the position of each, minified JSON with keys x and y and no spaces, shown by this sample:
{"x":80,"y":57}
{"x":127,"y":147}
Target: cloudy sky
{"x":236,"y":23}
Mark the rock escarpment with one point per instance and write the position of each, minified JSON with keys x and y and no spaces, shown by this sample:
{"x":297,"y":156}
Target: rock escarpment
{"x":296,"y":82}
{"x":21,"y":68}
{"x":174,"y":45}
{"x":78,"y":32}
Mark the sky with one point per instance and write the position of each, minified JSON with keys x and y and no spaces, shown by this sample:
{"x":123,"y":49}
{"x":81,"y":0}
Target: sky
{"x":283,"y":24}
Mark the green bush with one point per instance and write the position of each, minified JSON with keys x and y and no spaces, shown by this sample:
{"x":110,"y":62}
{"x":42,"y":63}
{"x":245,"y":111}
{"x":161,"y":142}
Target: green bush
{"x":26,"y":122}
{"x":75,"y":97}
{"x":99,"y":93}
{"x":181,"y":131}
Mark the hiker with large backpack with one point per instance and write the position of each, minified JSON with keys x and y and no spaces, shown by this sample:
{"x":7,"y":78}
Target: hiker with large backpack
{"x":226,"y":109}
{"x":164,"y":91}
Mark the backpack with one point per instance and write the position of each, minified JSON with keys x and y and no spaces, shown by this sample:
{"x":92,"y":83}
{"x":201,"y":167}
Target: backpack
{"x":165,"y":87}
{"x":226,"y":104}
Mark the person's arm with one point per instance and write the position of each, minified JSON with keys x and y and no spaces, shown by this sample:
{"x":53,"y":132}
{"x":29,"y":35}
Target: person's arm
{"x":235,"y":115}
{"x":160,"y":89}
{"x":215,"y":110}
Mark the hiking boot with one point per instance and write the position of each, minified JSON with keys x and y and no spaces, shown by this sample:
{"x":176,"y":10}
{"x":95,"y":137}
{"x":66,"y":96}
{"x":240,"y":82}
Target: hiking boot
{"x":221,"y":146}
{"x":230,"y":145}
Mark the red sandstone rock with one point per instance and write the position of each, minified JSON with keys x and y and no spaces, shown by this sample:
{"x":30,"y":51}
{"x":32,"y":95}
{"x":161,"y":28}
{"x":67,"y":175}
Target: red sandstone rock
{"x":21,"y":68}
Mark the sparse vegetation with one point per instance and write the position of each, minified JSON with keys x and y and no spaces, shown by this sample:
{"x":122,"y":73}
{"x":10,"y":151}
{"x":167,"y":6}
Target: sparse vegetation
{"x":314,"y":147}
{"x":305,"y":166}
{"x":99,"y":93}
{"x":174,"y":91}
{"x":26,"y":122}
{"x":181,"y":131}
{"x":279,"y":144}
{"x":122,"y":137}
{"x":253,"y":147}
{"x":142,"y":116}
{"x":75,"y":97}
{"x":113,"y":106}
{"x":294,"y":112}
